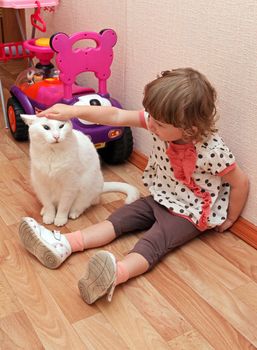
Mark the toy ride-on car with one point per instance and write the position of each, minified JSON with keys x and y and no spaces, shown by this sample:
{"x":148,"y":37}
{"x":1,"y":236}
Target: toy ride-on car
{"x":37,"y":88}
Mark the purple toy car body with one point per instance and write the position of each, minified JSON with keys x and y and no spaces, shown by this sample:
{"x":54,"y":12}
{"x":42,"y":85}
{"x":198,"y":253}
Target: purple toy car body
{"x":44,"y":85}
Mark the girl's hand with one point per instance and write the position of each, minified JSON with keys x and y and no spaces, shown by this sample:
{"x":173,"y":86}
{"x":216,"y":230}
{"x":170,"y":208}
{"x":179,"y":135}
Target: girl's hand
{"x":225,"y":226}
{"x":59,"y":112}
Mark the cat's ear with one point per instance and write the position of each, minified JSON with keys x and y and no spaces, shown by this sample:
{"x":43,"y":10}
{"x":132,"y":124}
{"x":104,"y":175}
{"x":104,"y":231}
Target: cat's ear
{"x":28,"y":118}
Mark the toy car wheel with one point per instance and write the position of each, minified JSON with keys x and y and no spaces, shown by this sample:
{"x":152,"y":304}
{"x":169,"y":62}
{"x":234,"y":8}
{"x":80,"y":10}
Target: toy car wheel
{"x":18,"y":128}
{"x":119,"y":150}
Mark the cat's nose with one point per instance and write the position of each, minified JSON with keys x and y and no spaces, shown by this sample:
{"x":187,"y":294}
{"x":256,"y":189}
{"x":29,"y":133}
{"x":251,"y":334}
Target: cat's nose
{"x":56,"y":137}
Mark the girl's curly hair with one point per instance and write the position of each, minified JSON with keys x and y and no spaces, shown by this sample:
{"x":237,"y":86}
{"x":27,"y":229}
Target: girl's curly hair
{"x":184,"y":98}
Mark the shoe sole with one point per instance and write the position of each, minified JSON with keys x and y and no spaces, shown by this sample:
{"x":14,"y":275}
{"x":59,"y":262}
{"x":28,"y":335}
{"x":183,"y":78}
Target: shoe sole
{"x":99,"y":277}
{"x":36,"y":247}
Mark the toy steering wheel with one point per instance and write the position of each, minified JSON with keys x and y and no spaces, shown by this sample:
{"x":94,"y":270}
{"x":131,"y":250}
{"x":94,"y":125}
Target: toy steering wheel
{"x":41,"y":49}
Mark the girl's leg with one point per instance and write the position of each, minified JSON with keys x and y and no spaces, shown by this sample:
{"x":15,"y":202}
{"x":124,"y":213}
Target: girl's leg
{"x":130,"y":266}
{"x":129,"y":218}
{"x":103,"y":274}
{"x":91,"y":237}
{"x":52,"y":248}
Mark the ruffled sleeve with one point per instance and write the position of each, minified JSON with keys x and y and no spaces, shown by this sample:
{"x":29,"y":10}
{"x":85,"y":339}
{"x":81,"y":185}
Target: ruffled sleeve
{"x":215,"y":157}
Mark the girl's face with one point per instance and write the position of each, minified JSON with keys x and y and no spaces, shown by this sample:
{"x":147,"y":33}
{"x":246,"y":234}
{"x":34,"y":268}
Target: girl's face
{"x":165,"y":132}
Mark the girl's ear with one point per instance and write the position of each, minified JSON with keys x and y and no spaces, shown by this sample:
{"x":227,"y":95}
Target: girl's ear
{"x":28,"y":118}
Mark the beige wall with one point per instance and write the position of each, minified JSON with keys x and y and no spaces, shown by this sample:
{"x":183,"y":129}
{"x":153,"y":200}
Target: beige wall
{"x":219,"y":38}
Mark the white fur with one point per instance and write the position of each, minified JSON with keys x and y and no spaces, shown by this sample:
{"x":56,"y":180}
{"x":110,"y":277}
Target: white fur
{"x":65,"y":170}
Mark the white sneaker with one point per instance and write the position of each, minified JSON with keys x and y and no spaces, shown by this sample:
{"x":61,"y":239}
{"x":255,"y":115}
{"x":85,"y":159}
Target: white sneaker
{"x":99,"y":278}
{"x":49,"y":247}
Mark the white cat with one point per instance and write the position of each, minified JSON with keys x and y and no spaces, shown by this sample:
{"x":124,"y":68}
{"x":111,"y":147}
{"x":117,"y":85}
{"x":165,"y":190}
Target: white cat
{"x":65,"y":170}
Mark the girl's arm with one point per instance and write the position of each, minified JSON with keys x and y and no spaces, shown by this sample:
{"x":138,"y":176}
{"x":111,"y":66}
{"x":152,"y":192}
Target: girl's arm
{"x":239,"y":186}
{"x":96,"y":114}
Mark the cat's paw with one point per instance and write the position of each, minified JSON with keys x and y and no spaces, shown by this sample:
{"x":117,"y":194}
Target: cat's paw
{"x":74,"y":214}
{"x":48,"y":219}
{"x":60,"y":220}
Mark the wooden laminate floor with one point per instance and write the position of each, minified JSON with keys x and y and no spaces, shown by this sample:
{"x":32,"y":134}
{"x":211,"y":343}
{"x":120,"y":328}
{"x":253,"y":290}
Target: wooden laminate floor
{"x":201,"y":296}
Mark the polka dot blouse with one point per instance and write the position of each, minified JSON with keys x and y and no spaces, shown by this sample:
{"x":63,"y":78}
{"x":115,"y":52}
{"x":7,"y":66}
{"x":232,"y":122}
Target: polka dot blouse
{"x":187,"y":179}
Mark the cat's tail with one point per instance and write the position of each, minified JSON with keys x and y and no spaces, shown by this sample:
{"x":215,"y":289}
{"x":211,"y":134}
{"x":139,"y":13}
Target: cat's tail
{"x":131,"y":191}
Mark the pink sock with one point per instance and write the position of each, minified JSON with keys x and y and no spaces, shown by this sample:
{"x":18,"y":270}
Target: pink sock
{"x":122,"y":273}
{"x":76,"y":241}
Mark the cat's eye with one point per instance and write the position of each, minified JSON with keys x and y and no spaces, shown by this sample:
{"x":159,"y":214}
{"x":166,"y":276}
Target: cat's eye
{"x":46,"y":127}
{"x":61,"y":126}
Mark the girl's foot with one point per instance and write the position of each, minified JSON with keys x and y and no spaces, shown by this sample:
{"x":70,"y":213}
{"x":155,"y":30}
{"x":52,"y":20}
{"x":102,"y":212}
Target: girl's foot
{"x":99,"y":278}
{"x":49,"y":247}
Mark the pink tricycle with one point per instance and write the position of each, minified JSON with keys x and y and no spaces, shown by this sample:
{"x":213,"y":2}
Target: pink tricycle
{"x":39,"y":87}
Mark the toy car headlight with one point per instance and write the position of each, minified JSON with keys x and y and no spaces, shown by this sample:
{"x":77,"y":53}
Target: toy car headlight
{"x":92,"y":100}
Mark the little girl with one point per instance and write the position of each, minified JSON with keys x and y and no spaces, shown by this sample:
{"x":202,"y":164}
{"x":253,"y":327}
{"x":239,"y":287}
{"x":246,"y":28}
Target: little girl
{"x":192,"y":177}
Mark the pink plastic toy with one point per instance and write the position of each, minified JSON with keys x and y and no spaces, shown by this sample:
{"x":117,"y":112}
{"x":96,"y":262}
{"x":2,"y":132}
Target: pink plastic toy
{"x":16,"y":50}
{"x":36,"y":20}
{"x":9,"y":51}
{"x":97,"y":59}
{"x":43,"y":53}
{"x":43,"y":85}
{"x":22,"y":4}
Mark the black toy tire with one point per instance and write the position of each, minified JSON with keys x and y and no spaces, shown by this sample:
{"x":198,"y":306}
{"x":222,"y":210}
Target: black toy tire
{"x":18,"y":128}
{"x":118,"y":151}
